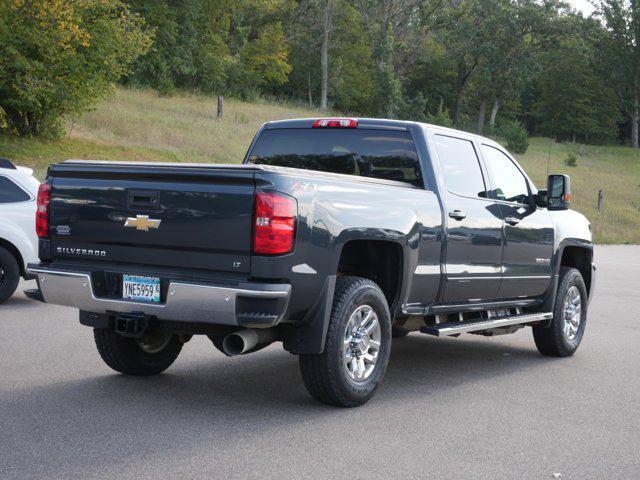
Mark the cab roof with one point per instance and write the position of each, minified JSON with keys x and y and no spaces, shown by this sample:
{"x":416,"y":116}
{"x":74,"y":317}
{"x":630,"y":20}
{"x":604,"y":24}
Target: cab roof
{"x":372,"y":123}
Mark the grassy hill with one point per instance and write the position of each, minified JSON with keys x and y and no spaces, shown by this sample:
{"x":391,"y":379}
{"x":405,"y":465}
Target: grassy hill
{"x":140,"y":125}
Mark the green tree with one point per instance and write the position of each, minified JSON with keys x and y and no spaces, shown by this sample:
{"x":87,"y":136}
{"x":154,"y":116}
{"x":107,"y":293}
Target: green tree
{"x":466,"y":44}
{"x":305,"y":39}
{"x":620,"y":51}
{"x":265,"y":58}
{"x":349,"y":67}
{"x":60,"y":57}
{"x":216,"y":46}
{"x":191,"y":44}
{"x":509,"y":56}
{"x":432,"y":79}
{"x":159,"y":67}
{"x":396,"y":29}
{"x":574,"y":100}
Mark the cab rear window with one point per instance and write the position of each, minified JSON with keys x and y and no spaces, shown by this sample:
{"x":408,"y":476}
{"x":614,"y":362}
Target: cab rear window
{"x":386,"y":154}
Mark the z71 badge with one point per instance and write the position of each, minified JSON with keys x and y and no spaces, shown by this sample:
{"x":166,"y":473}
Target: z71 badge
{"x":63,"y":230}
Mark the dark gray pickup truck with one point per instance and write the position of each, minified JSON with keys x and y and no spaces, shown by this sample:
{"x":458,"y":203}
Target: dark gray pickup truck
{"x":332,"y":237}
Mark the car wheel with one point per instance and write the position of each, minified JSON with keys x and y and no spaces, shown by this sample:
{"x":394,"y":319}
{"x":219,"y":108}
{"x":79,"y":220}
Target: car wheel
{"x":9,"y":274}
{"x":563,"y":336}
{"x":150,"y":354}
{"x":357,"y":347}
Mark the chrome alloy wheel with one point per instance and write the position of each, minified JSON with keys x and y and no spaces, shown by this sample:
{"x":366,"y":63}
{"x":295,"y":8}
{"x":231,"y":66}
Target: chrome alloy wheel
{"x":362,"y":343}
{"x":153,"y":342}
{"x":571,"y":313}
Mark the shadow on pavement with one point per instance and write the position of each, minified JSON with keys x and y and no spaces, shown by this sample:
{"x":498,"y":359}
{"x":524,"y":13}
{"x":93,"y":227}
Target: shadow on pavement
{"x":114,"y":418}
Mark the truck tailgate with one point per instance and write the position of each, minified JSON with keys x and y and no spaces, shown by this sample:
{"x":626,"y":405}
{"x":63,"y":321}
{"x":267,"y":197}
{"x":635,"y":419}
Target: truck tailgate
{"x":153,"y":214}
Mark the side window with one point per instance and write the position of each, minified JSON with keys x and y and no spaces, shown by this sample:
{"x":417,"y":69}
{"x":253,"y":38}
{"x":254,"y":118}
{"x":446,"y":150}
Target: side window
{"x":10,"y":192}
{"x":508,"y":181}
{"x":460,"y":166}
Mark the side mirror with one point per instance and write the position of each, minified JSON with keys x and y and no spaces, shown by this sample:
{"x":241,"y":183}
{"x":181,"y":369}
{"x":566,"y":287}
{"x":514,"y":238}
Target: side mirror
{"x":558,"y":192}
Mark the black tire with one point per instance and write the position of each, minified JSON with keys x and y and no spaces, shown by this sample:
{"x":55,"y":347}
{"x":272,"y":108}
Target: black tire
{"x":325,"y":375}
{"x":125,"y":355}
{"x":9,"y":274}
{"x":553,"y":340}
{"x":399,"y":332}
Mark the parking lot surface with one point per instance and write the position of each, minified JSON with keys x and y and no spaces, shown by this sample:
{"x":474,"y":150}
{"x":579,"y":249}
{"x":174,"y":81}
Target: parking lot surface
{"x":467,"y":407}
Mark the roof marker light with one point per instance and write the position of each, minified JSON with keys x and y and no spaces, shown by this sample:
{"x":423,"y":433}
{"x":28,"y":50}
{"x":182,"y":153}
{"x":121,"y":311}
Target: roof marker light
{"x":335,"y":123}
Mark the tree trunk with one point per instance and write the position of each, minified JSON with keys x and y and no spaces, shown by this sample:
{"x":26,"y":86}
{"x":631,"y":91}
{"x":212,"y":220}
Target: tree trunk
{"x":324,"y":52}
{"x":634,"y":120}
{"x":482,"y":114}
{"x":461,"y":82}
{"x":309,"y":88}
{"x":494,"y":112}
{"x":458,"y":110}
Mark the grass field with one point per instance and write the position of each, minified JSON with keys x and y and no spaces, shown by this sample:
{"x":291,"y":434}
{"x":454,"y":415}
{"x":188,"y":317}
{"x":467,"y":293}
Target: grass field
{"x":140,"y":125}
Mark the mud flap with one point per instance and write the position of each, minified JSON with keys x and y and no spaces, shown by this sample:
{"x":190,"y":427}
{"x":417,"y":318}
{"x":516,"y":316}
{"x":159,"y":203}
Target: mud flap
{"x":309,"y":336}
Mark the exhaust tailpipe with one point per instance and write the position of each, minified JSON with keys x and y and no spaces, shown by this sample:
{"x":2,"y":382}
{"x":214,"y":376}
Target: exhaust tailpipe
{"x":242,"y":341}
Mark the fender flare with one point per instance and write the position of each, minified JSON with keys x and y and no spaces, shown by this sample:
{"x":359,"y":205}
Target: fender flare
{"x":309,"y":336}
{"x":549,"y":298}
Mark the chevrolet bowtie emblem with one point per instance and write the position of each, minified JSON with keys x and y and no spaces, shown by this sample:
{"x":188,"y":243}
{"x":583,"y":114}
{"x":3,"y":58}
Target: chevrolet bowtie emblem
{"x":142,"y":222}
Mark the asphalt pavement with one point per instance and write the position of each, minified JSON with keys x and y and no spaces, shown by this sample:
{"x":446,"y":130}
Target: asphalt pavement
{"x":456,"y":408}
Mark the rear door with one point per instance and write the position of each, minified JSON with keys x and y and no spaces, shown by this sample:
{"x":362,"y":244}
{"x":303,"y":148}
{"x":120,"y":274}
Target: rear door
{"x":473,"y":223}
{"x":528,"y":230}
{"x":171,"y":216}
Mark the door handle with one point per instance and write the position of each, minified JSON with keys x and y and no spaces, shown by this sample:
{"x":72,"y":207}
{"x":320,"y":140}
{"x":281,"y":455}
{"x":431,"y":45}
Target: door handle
{"x":144,"y":199}
{"x":512,"y":220}
{"x":457,"y":214}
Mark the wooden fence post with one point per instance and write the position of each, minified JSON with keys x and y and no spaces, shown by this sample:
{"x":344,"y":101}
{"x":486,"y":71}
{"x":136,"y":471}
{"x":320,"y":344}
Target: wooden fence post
{"x":599,"y":199}
{"x":219,"y":115}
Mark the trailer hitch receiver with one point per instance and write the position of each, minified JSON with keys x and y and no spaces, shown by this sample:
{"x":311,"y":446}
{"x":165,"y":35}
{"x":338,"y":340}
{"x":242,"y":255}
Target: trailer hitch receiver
{"x":132,"y":324}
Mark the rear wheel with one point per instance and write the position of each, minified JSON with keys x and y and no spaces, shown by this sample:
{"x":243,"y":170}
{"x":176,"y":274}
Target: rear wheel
{"x":9,"y":274}
{"x":150,"y":354}
{"x":563,"y":336}
{"x":357,"y":346}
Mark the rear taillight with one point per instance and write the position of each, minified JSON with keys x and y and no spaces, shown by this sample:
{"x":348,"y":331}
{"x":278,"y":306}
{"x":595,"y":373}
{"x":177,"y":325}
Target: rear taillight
{"x":335,"y":123}
{"x":42,"y":211}
{"x":274,"y":223}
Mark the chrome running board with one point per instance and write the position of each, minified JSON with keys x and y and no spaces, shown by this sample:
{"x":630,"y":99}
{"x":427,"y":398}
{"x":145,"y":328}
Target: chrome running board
{"x":456,"y":328}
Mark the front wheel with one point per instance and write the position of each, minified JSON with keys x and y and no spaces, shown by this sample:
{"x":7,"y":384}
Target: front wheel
{"x":563,"y":336}
{"x":357,"y":347}
{"x":150,"y":354}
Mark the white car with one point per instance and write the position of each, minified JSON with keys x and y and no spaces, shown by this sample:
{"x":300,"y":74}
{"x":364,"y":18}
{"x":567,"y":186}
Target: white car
{"x":18,"y":239}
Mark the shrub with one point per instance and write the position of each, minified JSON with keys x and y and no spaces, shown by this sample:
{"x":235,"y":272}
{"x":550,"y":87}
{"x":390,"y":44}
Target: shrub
{"x":440,"y":117}
{"x":571,"y":160}
{"x":58,"y":57}
{"x":515,"y":136}
{"x":413,"y":108}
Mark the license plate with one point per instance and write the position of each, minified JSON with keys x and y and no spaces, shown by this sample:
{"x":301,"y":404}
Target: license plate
{"x":135,"y":287}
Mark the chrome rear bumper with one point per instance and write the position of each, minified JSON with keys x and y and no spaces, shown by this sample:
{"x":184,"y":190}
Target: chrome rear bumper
{"x":185,"y":302}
